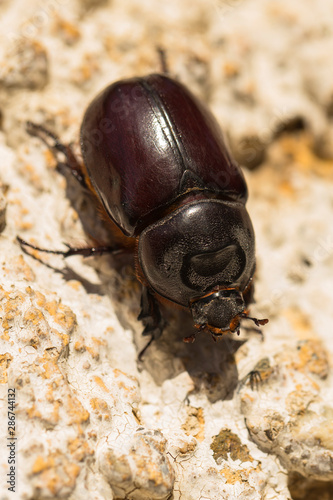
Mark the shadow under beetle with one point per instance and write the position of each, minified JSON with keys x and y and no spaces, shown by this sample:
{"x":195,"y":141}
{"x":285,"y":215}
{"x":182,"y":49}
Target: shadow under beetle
{"x":156,"y":160}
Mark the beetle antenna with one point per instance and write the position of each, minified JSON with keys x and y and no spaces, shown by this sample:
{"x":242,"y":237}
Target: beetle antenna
{"x":256,"y":321}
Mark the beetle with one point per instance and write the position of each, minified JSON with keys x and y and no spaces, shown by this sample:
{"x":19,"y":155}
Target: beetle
{"x":157,"y":162}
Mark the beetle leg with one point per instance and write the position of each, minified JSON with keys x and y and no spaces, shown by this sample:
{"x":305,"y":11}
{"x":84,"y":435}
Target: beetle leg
{"x":86,"y":252}
{"x":151,"y":317}
{"x":254,"y":378}
{"x":55,"y":146}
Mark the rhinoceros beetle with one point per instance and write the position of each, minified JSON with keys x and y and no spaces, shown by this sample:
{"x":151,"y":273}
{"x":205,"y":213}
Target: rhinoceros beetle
{"x":156,"y":160}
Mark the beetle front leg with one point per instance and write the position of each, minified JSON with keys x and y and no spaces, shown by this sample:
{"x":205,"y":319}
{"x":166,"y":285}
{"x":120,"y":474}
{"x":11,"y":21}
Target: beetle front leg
{"x":151,"y":317}
{"x":55,"y":146}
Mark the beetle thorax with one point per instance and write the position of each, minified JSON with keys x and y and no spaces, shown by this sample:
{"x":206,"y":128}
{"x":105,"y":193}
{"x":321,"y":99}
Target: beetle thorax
{"x":204,"y":244}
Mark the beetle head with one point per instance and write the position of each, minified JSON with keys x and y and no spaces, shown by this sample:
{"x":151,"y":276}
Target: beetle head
{"x":219,"y":312}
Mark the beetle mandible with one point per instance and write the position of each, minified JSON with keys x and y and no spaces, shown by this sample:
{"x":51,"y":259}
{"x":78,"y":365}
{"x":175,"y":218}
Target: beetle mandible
{"x":157,"y":162}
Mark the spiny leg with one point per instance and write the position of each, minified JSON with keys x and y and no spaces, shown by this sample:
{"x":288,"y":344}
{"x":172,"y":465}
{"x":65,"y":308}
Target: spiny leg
{"x":86,"y":252}
{"x":151,"y":318}
{"x":55,"y":146}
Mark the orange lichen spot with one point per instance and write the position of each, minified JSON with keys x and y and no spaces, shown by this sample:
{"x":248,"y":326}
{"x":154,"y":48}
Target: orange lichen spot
{"x":226,"y":443}
{"x":21,"y":267}
{"x":32,"y":412}
{"x":72,"y":470}
{"x":80,"y":345}
{"x":195,"y":423}
{"x":32,"y":177}
{"x":77,"y":413}
{"x":79,"y":449}
{"x":299,"y":321}
{"x":314,"y":357}
{"x":100,"y":383}
{"x":10,"y":312}
{"x":230,"y":69}
{"x":33,"y":316}
{"x":50,"y":159}
{"x":98,"y":341}
{"x":188,"y":447}
{"x":5,"y":360}
{"x":68,"y":31}
{"x":55,"y":473}
{"x":286,"y":188}
{"x":48,"y":367}
{"x":93,"y":352}
{"x":75,"y":284}
{"x":65,"y":318}
{"x":51,"y":307}
{"x":300,"y":149}
{"x":100,"y":408}
{"x":86,"y":70}
{"x":41,"y":464}
{"x":64,"y":337}
{"x":297,"y":401}
{"x":232,"y":476}
{"x":40,"y":299}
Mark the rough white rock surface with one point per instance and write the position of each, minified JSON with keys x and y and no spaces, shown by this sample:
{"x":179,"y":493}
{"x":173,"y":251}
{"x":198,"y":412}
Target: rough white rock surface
{"x":91,"y":421}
